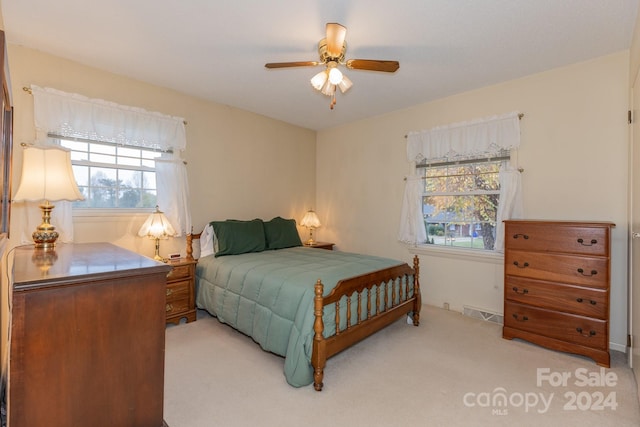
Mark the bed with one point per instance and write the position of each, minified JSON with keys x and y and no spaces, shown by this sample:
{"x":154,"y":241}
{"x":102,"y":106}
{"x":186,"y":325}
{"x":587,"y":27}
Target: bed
{"x":302,"y":303}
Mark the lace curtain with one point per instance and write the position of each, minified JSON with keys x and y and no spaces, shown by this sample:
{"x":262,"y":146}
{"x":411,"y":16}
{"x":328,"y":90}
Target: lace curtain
{"x":74,"y":115}
{"x":484,"y":137}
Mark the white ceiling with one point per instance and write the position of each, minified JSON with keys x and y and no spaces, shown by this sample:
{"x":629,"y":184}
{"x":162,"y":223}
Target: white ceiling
{"x":217,"y":49}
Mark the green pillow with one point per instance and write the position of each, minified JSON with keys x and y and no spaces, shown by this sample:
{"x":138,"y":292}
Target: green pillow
{"x":239,"y":237}
{"x":281,"y":233}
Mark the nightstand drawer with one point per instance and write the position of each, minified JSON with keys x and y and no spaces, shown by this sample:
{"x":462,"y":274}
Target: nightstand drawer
{"x":178,"y":290}
{"x":177,"y":306}
{"x":179,"y":272}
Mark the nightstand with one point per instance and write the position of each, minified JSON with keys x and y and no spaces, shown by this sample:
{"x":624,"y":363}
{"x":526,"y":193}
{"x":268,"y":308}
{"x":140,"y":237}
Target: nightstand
{"x":181,"y":281}
{"x":321,"y":245}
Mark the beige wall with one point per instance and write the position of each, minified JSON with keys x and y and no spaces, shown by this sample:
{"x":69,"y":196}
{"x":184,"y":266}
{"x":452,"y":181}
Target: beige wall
{"x":574,"y":152}
{"x":240,"y":165}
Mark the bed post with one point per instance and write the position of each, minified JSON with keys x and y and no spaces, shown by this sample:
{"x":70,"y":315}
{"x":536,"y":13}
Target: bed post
{"x":190,"y":238}
{"x":417,"y":303}
{"x":190,"y":246}
{"x":319,"y":356}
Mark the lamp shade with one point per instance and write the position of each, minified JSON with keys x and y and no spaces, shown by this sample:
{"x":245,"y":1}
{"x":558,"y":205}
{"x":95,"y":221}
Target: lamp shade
{"x":310,"y":220}
{"x":47,"y":175}
{"x":157,"y":226}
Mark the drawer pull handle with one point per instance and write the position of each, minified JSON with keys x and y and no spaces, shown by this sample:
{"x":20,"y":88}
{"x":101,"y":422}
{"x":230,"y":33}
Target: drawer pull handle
{"x":524,"y":236}
{"x":525,"y":265}
{"x":593,"y":272}
{"x":590,"y":334}
{"x":579,"y":299}
{"x":523,"y":319}
{"x":523,"y":292}
{"x":593,"y":242}
{"x":169,"y":292}
{"x":592,"y":302}
{"x":169,"y":307}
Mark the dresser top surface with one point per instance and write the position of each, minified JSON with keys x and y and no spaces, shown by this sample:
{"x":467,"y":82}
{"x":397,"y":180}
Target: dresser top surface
{"x":68,"y":262}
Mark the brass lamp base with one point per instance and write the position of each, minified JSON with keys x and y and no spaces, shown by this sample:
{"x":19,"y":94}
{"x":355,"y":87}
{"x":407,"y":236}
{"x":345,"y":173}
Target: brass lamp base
{"x":310,"y":242}
{"x":157,"y":256}
{"x":44,"y":239}
{"x":45,"y":235}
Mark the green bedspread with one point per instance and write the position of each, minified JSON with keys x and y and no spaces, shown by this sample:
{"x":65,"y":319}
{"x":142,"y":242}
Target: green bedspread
{"x":269,"y":297}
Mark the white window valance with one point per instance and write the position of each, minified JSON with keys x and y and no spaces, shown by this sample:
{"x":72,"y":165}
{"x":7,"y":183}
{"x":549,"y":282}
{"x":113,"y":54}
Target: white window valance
{"x":475,"y":138}
{"x":74,"y":115}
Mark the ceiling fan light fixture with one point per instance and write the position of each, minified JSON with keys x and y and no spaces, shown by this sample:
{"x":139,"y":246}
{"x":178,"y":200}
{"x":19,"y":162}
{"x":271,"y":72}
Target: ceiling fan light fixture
{"x":345,"y":84}
{"x":335,"y":75}
{"x":331,"y":51}
{"x":328,"y":89}
{"x":319,"y":80}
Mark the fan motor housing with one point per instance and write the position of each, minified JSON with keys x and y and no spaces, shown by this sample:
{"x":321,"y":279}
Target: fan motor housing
{"x":324,"y":55}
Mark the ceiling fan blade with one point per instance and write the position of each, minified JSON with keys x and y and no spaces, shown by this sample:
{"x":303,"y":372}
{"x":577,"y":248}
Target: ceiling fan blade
{"x":291,"y":64}
{"x":335,"y":39}
{"x":373,"y":65}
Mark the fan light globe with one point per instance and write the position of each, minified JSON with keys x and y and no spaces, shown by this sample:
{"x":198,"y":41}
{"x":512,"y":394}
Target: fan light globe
{"x":335,"y":76}
{"x":318,"y":80}
{"x":345,"y":84}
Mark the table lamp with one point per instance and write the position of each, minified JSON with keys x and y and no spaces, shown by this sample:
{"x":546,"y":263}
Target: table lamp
{"x":157,"y":227}
{"x":312,"y":222}
{"x":47,"y":176}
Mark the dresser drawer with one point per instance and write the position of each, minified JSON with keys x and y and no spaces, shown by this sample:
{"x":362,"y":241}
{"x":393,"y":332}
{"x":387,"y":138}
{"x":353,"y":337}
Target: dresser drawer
{"x":179,"y":272}
{"x":554,"y":296}
{"x":567,"y":327}
{"x":557,"y":237}
{"x":578,"y":270}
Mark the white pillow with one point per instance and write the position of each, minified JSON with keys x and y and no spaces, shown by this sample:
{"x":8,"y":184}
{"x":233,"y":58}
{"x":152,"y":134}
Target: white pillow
{"x":207,"y":241}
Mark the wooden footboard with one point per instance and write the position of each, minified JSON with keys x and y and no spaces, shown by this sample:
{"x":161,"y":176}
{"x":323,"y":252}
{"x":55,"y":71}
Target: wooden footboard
{"x":397,"y":293}
{"x":381,"y":297}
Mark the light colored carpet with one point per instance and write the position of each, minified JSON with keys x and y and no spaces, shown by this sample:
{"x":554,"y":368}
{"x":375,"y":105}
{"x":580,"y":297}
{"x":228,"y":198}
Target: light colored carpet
{"x":449,"y":371}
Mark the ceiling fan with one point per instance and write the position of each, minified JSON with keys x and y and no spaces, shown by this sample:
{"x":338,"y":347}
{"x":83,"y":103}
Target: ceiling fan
{"x":332,"y":50}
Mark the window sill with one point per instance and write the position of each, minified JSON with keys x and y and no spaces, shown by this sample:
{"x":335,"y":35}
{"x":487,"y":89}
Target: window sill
{"x":459,"y":253}
{"x":104,"y":213}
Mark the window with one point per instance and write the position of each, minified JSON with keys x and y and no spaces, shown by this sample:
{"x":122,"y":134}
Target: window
{"x":460,"y":202}
{"x":465,"y":184}
{"x":112,"y":176}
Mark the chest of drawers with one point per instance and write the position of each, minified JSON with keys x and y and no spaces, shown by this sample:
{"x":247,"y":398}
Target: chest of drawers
{"x":556,"y":285}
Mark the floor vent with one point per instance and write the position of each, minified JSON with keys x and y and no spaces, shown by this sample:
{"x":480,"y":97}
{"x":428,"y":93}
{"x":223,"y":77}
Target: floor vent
{"x":481,"y":314}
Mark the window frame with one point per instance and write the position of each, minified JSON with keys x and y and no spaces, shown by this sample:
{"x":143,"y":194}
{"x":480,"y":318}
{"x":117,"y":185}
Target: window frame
{"x":85,"y":211}
{"x":460,"y":251}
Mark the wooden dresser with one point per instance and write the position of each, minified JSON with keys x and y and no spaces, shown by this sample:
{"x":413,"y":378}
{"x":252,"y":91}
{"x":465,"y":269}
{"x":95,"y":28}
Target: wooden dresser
{"x":556,"y":285}
{"x":87,"y":338}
